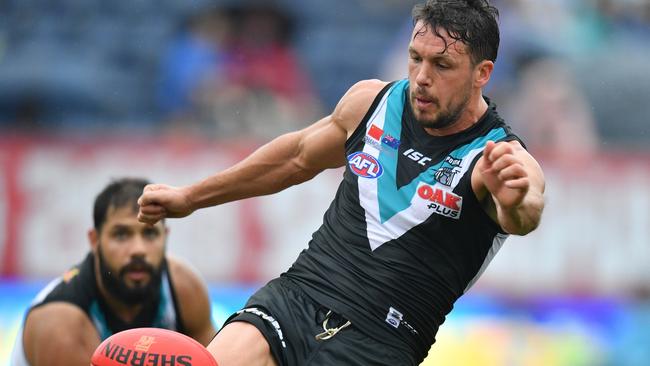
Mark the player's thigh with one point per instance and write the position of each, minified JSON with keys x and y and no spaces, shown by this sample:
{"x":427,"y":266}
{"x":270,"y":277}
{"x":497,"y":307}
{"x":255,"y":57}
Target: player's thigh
{"x":241,"y":343}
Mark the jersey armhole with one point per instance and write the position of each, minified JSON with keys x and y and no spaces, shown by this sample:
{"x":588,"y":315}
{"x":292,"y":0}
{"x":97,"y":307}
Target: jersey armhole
{"x":180,"y":325}
{"x":362,"y":124}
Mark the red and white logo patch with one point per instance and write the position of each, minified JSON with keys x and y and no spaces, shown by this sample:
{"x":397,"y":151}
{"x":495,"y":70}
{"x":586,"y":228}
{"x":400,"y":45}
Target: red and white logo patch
{"x":440,"y":201}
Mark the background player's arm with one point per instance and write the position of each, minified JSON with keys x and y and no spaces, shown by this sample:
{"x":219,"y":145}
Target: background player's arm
{"x":290,"y":159}
{"x":194,"y":303}
{"x":510,"y":184}
{"x":59,"y":334}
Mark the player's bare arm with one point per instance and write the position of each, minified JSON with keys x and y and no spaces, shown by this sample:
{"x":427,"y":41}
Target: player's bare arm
{"x":510,"y":184}
{"x":59,"y":334}
{"x":194,"y":304}
{"x":288,"y":160}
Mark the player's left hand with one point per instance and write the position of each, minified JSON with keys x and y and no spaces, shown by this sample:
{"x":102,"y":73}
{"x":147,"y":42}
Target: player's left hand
{"x":503,"y":172}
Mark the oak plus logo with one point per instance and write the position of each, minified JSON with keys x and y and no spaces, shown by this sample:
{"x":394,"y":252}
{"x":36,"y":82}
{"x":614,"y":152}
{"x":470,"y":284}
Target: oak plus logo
{"x":365,"y":165}
{"x":440,"y":201}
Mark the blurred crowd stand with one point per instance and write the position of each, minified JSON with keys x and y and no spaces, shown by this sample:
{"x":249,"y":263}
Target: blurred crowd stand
{"x":566,"y":70}
{"x":234,"y":72}
{"x":259,"y":68}
{"x":207,"y":68}
{"x":552,"y":114}
{"x":571,"y":75}
{"x":197,"y":55}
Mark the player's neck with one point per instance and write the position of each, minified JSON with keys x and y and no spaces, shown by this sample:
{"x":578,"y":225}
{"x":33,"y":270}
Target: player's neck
{"x":126,"y":313}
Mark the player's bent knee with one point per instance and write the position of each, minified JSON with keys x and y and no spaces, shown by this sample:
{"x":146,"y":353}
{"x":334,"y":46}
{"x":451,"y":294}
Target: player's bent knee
{"x":241,"y":343}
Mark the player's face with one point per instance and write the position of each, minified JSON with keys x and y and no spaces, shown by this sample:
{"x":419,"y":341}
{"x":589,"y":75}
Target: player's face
{"x":440,"y":77}
{"x":130,"y":255}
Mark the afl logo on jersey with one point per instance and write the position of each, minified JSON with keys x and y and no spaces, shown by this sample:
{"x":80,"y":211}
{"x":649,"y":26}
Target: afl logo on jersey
{"x":365,"y":165}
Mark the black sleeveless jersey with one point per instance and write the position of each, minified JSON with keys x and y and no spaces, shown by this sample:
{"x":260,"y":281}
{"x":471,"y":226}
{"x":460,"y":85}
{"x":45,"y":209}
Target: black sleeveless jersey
{"x":78,"y":286}
{"x":405,"y":235}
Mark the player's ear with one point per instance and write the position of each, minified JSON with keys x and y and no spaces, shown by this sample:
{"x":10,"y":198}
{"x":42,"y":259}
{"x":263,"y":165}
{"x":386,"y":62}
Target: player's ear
{"x":93,"y":239}
{"x":482,"y":73}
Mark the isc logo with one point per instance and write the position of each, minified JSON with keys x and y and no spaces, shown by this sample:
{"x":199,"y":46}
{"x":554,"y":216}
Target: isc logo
{"x":416,"y":156}
{"x":365,"y":165}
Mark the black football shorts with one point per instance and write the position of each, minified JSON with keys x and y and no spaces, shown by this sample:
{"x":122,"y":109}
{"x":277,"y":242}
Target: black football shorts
{"x":301,"y":332}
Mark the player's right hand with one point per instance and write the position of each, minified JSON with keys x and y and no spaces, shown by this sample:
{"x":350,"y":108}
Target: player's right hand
{"x":159,"y":201}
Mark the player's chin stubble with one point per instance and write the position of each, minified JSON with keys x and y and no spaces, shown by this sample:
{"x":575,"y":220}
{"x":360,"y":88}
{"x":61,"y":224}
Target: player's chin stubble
{"x":442,"y":120}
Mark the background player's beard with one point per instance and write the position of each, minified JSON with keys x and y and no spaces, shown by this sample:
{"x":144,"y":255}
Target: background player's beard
{"x":114,"y":283}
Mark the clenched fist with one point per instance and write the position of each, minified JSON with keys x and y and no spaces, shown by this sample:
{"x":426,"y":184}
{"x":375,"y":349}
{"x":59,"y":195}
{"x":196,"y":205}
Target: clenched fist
{"x":503,"y":172}
{"x":159,"y":201}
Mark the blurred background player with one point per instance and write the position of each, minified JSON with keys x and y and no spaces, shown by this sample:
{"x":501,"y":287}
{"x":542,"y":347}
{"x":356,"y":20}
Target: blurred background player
{"x":126,"y":281}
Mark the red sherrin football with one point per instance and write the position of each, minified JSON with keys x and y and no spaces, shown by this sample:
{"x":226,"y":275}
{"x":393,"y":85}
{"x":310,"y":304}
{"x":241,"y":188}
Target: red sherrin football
{"x":151,"y":347}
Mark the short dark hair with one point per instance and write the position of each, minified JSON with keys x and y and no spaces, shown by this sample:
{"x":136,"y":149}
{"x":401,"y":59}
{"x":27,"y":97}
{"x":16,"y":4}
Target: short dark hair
{"x":119,"y":193}
{"x":473,"y":22}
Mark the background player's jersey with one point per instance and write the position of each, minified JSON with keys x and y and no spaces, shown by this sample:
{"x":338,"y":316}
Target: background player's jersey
{"x":405,"y":235}
{"x":79,"y":287}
